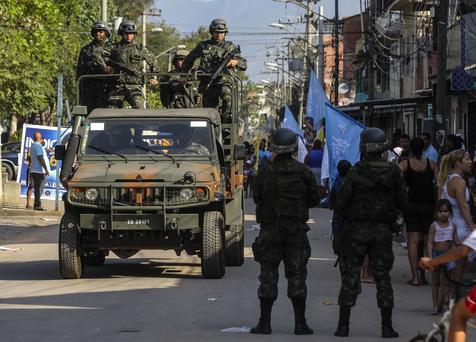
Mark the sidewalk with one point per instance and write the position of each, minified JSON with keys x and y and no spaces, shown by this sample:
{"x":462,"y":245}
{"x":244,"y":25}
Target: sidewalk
{"x":22,"y":211}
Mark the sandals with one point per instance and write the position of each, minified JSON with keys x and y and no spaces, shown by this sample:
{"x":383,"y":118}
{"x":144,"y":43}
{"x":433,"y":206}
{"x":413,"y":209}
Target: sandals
{"x":410,"y":282}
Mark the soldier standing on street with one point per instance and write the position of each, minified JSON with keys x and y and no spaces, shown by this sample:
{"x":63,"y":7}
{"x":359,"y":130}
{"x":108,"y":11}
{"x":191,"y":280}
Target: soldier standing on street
{"x":211,"y":53}
{"x":127,"y":57}
{"x":371,"y":197}
{"x":284,"y":191}
{"x":93,"y":60}
{"x":174,"y":94}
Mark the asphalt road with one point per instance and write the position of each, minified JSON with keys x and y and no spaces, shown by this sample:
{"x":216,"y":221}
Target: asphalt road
{"x":156,"y":296}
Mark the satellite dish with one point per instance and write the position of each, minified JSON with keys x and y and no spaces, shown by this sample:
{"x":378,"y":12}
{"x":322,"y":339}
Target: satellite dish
{"x":343,"y":88}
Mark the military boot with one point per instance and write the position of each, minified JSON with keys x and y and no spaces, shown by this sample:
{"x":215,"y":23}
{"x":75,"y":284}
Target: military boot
{"x":264,"y":323}
{"x":300,"y":327}
{"x":387,"y":328}
{"x":344,"y":318}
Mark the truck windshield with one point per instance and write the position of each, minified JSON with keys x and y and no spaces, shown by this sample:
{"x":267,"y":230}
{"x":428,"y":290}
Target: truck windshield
{"x":185,"y":137}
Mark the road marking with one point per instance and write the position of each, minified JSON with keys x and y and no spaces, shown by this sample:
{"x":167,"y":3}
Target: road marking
{"x":252,"y":218}
{"x":42,"y":307}
{"x":322,"y":259}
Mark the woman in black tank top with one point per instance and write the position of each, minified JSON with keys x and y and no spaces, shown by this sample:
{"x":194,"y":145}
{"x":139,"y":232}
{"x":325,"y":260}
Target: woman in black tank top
{"x":418,"y":214}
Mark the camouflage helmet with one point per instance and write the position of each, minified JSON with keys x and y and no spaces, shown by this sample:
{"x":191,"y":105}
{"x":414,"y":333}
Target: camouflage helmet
{"x":100,"y":26}
{"x":284,"y":141}
{"x":180,"y":54}
{"x":127,"y":26}
{"x":218,"y":25}
{"x":373,"y":141}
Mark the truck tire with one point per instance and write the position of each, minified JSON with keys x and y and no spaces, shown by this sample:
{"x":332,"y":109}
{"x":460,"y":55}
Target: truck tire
{"x":235,"y":246}
{"x":71,"y":258}
{"x":213,"y":251}
{"x":95,"y":260}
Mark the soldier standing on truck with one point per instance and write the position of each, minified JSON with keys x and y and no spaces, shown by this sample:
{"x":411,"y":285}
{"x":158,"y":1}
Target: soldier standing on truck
{"x":211,"y":53}
{"x":93,"y":60}
{"x":126,"y":58}
{"x":283,"y":192}
{"x":174,"y":94}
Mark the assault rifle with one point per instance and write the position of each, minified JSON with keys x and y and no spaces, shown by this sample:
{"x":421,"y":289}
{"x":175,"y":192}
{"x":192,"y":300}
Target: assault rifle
{"x":124,"y":68}
{"x":226,"y":59}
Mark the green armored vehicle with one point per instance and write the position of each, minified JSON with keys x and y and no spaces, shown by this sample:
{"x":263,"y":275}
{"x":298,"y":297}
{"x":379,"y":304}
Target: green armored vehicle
{"x":168,"y":179}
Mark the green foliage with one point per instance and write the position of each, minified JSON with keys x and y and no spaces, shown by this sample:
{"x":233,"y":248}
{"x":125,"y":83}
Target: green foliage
{"x":42,"y":39}
{"x":131,"y":9}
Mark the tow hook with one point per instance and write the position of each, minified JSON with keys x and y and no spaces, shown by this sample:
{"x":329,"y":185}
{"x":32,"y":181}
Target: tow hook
{"x":174,"y":223}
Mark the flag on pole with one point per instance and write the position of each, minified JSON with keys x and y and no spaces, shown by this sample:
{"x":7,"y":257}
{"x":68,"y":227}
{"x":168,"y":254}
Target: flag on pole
{"x":291,"y":123}
{"x":342,"y":139}
{"x":316,"y":100}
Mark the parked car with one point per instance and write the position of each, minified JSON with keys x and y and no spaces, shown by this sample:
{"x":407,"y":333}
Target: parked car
{"x":10,"y":156}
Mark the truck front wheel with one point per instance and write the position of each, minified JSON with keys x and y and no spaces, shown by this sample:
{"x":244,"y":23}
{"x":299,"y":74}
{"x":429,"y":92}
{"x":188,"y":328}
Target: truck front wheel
{"x":71,"y":258}
{"x":213,"y":251}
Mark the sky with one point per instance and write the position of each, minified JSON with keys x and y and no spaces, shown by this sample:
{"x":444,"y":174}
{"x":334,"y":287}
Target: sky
{"x":248,"y":23}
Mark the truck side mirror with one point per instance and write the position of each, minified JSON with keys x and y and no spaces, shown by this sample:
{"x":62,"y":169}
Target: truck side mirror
{"x":60,"y":151}
{"x":239,"y":152}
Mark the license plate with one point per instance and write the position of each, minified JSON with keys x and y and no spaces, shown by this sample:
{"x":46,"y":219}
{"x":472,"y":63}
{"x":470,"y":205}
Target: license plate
{"x":137,"y":222}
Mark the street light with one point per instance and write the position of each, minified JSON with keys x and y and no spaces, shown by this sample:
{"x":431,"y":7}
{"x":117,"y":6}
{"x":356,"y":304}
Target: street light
{"x":277,"y":25}
{"x":156,"y":29}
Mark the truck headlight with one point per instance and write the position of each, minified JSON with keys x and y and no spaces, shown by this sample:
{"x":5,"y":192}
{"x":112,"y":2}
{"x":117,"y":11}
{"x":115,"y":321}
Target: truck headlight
{"x":92,"y":194}
{"x":187,"y":194}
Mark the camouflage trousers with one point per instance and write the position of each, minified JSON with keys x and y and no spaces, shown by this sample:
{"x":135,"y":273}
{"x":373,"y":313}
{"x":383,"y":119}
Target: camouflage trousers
{"x":375,"y":240}
{"x":213,"y":94}
{"x":273,"y":246}
{"x":131,"y":93}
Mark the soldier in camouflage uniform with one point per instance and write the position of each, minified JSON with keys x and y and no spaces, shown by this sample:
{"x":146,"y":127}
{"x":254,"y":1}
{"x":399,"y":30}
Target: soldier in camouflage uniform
{"x":127,"y":57}
{"x":93,"y":60}
{"x":211,"y":53}
{"x":173,"y":94}
{"x":371,"y":197}
{"x":283,"y":192}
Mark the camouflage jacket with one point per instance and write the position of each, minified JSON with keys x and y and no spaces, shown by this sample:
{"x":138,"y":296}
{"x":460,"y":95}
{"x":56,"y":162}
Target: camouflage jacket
{"x":127,"y":58}
{"x":373,"y":191}
{"x":93,"y":58}
{"x":211,"y":53}
{"x":284,"y":190}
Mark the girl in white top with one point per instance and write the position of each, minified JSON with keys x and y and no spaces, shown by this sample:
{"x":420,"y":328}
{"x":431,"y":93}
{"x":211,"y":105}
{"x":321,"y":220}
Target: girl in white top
{"x":441,"y":236}
{"x":452,"y":187}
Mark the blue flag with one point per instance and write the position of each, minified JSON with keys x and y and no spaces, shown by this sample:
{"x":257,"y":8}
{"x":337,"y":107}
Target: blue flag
{"x":316,"y":100}
{"x":342,"y":139}
{"x":291,"y":123}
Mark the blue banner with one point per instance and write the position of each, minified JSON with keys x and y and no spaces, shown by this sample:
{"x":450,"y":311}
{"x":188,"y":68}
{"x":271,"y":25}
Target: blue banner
{"x":342,"y":139}
{"x":291,"y":123}
{"x":49,"y":135}
{"x":316,"y":100}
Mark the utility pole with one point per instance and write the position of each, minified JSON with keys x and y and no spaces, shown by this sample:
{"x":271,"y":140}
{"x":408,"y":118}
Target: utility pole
{"x":320,"y":58}
{"x":104,"y":10}
{"x":442,"y":43}
{"x":144,"y":43}
{"x":306,"y":66}
{"x":370,"y":65}
{"x":336,"y":57}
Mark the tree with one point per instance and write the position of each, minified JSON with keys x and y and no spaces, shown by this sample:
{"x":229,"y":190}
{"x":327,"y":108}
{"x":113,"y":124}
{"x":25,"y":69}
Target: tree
{"x":131,"y":9}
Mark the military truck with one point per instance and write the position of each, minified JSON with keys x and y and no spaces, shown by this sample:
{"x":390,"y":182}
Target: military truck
{"x":168,"y":179}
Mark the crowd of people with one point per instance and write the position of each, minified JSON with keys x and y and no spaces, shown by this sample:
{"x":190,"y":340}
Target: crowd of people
{"x":430,"y":189}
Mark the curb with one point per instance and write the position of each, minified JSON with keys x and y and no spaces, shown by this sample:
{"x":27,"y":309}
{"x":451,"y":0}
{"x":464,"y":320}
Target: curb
{"x":26,"y":212}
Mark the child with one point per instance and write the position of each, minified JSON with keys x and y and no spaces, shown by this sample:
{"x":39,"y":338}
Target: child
{"x":441,"y":237}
